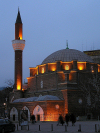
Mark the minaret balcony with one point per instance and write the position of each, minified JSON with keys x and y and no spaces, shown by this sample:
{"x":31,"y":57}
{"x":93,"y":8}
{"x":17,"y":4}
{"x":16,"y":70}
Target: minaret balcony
{"x":18,"y":44}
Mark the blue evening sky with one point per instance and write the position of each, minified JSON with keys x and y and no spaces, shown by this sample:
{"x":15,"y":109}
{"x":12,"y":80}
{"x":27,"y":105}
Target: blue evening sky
{"x":47,"y":24}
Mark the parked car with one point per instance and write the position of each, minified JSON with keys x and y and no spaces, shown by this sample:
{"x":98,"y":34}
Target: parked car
{"x":6,"y":126}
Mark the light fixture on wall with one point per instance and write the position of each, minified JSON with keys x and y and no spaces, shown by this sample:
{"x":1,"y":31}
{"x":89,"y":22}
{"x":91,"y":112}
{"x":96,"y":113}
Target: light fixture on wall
{"x":66,"y":67}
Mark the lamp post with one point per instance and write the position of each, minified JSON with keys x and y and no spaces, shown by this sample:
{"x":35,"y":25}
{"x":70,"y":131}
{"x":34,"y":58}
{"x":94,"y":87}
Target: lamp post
{"x":57,"y":107}
{"x":5,"y":108}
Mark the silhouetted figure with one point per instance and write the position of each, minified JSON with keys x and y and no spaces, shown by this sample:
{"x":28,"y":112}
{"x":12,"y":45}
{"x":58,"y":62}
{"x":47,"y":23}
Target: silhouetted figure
{"x":60,"y":120}
{"x":73,"y":119}
{"x":33,"y":118}
{"x":67,"y":119}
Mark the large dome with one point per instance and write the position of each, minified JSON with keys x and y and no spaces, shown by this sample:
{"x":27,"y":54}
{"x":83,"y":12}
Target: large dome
{"x":66,"y":55}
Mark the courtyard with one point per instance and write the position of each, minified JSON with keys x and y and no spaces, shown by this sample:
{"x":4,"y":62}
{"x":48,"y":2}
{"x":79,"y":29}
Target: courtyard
{"x":47,"y":127}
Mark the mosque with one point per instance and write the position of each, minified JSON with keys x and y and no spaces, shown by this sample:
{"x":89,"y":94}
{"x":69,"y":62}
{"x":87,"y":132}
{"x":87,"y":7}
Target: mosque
{"x":54,"y":86}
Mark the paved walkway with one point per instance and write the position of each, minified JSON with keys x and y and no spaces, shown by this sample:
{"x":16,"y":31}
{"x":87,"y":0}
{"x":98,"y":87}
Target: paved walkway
{"x":46,"y":127}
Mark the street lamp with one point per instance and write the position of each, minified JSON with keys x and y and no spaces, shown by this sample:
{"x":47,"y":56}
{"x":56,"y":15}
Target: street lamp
{"x":5,"y":108}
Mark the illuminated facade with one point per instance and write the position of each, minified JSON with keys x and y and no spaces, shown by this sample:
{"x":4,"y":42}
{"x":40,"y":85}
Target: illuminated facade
{"x":53,"y":86}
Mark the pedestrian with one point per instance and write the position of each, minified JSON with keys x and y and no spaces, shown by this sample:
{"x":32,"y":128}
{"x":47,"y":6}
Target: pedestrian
{"x":60,"y":120}
{"x":33,"y":119}
{"x":67,"y":119}
{"x":73,"y":119}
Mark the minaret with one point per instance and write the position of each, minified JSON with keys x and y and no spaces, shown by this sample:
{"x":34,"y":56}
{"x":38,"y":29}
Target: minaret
{"x":18,"y":46}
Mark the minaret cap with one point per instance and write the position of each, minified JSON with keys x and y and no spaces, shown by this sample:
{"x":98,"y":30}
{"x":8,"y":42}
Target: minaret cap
{"x":18,"y":19}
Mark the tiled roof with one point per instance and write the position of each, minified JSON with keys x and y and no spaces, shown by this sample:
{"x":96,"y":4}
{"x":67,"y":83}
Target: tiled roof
{"x":40,"y":98}
{"x":30,"y":99}
{"x":47,"y":97}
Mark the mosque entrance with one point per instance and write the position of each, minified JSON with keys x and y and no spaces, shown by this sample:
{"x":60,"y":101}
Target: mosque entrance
{"x":38,"y":117}
{"x":14,"y":117}
{"x":39,"y":113}
{"x":14,"y":114}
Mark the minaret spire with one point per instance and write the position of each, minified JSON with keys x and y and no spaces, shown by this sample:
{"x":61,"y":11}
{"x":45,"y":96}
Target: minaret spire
{"x":18,"y":19}
{"x":18,"y":46}
{"x":18,"y":27}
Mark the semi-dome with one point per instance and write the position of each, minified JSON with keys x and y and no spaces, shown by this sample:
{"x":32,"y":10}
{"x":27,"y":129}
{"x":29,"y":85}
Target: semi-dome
{"x":66,"y":55}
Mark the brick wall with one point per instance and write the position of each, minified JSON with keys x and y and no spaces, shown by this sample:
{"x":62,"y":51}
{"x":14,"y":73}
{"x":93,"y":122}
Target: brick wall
{"x":49,"y":108}
{"x":48,"y":81}
{"x":73,"y":102}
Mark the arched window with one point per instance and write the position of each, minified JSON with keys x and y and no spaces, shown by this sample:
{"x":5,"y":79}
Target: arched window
{"x":39,"y":113}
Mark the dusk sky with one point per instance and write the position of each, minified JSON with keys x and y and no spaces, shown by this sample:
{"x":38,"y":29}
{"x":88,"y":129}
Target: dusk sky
{"x":47,"y":24}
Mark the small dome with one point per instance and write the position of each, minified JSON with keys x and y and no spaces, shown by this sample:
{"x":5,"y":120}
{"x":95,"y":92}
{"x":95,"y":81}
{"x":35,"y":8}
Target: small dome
{"x":29,"y":99}
{"x":40,"y":98}
{"x":66,"y":55}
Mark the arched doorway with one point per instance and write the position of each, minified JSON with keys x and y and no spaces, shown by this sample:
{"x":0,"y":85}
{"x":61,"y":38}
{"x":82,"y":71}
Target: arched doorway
{"x":39,"y":114}
{"x":14,"y":114}
{"x":25,"y":108}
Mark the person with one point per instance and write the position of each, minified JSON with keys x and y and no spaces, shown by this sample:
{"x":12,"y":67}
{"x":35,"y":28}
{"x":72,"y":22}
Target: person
{"x":60,"y":120}
{"x":33,"y":118}
{"x":67,"y":118}
{"x":73,"y":119}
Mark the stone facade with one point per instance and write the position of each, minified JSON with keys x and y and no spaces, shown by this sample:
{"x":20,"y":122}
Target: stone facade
{"x":64,"y":84}
{"x":54,"y":87}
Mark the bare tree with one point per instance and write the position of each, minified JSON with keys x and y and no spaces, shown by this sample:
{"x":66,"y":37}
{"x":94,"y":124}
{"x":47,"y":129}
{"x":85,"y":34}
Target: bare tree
{"x":91,"y":91}
{"x":9,"y":83}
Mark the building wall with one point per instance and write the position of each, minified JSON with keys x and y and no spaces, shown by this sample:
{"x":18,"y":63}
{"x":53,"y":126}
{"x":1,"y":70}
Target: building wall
{"x":16,"y":94}
{"x":46,"y":81}
{"x":64,"y":84}
{"x":73,"y":102}
{"x":49,"y":79}
{"x":51,"y":113}
{"x":94,"y":54}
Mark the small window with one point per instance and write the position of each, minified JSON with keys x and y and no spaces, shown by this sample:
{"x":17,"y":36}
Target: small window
{"x":41,"y":84}
{"x":66,"y":67}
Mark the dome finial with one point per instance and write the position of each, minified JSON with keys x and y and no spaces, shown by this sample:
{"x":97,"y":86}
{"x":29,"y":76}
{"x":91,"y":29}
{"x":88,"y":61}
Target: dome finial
{"x":67,"y":44}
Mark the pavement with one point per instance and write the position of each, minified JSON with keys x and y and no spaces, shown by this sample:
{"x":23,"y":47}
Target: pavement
{"x":51,"y":127}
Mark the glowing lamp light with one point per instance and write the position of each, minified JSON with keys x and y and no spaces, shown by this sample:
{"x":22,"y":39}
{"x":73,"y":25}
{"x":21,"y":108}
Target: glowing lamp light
{"x":92,"y":71}
{"x":53,"y":69}
{"x":81,"y":65}
{"x":18,"y":87}
{"x":98,"y":69}
{"x":80,"y":68}
{"x":43,"y":70}
{"x":4,"y":103}
{"x":66,"y":67}
{"x":20,"y":35}
{"x":48,"y":120}
{"x":20,"y":38}
{"x":37,"y":72}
